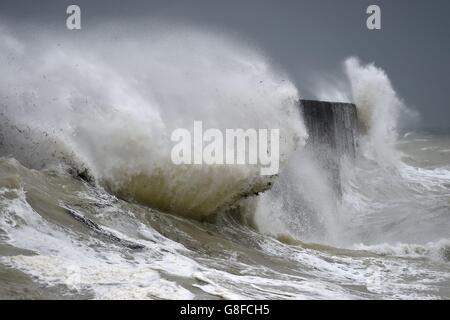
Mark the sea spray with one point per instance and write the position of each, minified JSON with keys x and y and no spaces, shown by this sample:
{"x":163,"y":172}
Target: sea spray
{"x":379,"y":106}
{"x":50,"y":249}
{"x":303,"y":201}
{"x":112,"y":107}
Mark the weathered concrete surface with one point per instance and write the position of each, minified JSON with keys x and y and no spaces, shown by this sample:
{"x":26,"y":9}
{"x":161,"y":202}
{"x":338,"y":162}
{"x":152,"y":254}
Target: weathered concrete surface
{"x":333,"y":129}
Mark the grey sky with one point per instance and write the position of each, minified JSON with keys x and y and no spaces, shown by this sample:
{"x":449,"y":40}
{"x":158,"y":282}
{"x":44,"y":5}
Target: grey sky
{"x":305,"y":38}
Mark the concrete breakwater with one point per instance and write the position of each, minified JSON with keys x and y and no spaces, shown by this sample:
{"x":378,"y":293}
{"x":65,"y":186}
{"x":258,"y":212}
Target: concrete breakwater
{"x":332,"y":129}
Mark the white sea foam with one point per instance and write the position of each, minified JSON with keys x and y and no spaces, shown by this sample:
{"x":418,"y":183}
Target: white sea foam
{"x":61,"y":257}
{"x":439,"y":250}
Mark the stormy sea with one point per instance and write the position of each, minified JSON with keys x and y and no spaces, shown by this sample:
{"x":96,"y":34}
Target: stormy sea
{"x":92,"y":207}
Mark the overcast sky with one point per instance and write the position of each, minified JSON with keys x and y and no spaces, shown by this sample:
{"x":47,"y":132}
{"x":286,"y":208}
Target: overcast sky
{"x":304,"y":37}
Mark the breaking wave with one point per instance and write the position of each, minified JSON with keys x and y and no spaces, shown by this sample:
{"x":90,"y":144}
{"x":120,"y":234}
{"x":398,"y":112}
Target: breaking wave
{"x":86,"y":179}
{"x":108,"y":110}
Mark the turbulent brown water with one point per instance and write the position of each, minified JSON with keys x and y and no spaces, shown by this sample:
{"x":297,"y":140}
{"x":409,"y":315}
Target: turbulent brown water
{"x":63,"y":238}
{"x":92,"y":207}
